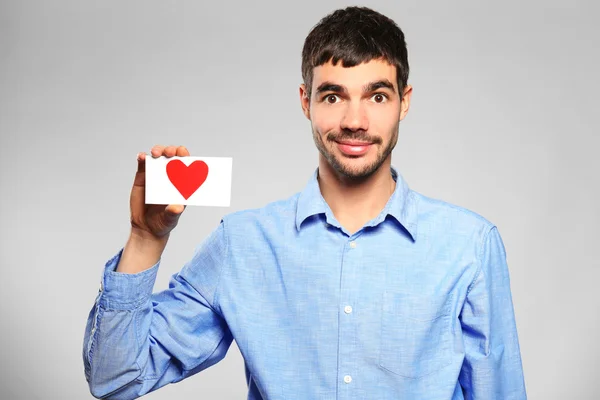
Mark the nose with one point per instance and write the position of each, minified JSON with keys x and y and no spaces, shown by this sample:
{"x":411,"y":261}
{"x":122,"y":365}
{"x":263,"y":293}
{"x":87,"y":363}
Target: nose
{"x":355,"y":118}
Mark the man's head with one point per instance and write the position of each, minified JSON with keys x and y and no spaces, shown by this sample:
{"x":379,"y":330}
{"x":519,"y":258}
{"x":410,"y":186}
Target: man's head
{"x":355,"y":91}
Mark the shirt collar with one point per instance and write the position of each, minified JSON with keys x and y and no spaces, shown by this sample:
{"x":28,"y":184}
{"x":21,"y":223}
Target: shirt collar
{"x":401,"y":205}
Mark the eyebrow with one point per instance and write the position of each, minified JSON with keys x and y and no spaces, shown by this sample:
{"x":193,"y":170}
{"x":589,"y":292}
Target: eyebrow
{"x":328,"y":86}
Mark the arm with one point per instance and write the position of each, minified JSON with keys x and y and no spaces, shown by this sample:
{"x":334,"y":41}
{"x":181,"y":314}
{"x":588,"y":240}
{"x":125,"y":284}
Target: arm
{"x":492,"y":367}
{"x":136,"y":342}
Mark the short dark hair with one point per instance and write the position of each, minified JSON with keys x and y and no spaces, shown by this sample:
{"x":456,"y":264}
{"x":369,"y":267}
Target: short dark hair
{"x":355,"y":35}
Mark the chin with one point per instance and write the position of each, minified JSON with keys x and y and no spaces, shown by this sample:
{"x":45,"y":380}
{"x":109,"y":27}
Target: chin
{"x":359,"y":170}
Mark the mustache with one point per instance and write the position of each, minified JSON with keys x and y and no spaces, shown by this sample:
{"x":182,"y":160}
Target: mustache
{"x":361,"y":135}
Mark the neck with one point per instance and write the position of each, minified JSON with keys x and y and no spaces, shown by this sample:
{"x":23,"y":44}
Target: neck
{"x":355,"y":202}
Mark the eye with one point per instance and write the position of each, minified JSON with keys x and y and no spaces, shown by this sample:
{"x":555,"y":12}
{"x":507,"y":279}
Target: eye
{"x":331,"y":98}
{"x":380,"y":97}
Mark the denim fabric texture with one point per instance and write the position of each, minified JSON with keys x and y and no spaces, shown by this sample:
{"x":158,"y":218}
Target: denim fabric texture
{"x":415,"y":305}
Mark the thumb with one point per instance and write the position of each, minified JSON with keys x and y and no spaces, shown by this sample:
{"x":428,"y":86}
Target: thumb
{"x":171,"y":216}
{"x":140,"y":174}
{"x":174,"y":210}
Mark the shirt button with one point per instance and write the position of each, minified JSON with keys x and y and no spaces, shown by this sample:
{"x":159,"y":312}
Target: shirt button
{"x":348,"y":309}
{"x":347,"y":379}
{"x":353,"y":244}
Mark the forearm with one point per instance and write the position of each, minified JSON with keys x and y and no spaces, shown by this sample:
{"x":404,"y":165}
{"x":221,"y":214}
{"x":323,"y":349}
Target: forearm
{"x":141,"y":252}
{"x":131,"y":352}
{"x":111,"y":353}
{"x":114,"y":332}
{"x":137,"y":341}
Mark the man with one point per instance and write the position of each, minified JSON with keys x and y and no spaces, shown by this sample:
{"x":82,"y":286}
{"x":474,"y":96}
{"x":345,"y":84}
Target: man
{"x":355,"y":288}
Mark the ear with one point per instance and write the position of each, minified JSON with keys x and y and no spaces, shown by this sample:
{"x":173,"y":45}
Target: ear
{"x":304,"y":100}
{"x":405,"y":105}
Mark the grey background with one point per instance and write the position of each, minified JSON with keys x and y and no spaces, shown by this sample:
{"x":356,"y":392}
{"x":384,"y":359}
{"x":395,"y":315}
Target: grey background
{"x":502,"y":122}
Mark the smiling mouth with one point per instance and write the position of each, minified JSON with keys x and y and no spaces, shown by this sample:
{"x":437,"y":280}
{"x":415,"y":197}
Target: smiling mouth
{"x":353,"y":143}
{"x":354,"y":148}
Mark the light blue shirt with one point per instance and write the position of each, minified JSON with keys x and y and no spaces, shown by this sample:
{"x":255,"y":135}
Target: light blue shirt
{"x":415,"y":305}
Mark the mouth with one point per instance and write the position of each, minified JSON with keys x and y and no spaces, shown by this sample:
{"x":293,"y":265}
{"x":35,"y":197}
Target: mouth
{"x":353,"y":147}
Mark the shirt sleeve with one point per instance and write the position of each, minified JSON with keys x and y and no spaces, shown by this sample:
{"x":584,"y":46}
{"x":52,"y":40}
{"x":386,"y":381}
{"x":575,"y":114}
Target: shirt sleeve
{"x":492,"y":368}
{"x":136,"y":342}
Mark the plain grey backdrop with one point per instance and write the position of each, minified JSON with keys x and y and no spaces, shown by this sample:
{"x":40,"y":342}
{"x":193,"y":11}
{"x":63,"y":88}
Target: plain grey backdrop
{"x":503,"y":121}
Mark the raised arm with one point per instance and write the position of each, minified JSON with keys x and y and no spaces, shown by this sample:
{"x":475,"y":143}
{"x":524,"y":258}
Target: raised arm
{"x":136,"y":342}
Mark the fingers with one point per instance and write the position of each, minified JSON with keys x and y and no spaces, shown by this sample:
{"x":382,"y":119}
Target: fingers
{"x":182,"y":151}
{"x":169,"y":151}
{"x":157,"y":151}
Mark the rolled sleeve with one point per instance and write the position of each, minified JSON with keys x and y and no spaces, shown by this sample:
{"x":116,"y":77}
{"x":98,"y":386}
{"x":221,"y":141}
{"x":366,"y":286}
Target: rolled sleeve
{"x":137,"y":341}
{"x":122,"y":291}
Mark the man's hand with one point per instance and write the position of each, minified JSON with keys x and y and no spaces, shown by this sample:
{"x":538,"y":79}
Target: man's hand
{"x":151,"y":224}
{"x":153,"y":221}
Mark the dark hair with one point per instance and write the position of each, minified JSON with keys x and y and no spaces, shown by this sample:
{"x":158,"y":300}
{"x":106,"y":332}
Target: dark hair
{"x":355,"y":35}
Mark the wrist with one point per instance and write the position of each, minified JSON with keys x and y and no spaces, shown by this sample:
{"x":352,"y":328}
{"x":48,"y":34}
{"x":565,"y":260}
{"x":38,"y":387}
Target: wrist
{"x":143,"y":239}
{"x":141,"y":251}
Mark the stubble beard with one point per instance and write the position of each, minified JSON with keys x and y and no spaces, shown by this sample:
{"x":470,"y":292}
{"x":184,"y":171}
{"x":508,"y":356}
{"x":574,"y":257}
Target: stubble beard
{"x":347,"y":171}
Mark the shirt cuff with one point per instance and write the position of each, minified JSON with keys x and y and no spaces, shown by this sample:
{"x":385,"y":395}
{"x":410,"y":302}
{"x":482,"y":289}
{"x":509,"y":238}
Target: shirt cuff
{"x":122,"y":291}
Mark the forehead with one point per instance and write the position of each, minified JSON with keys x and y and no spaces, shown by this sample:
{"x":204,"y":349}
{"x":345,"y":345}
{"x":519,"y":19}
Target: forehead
{"x":354,"y":77}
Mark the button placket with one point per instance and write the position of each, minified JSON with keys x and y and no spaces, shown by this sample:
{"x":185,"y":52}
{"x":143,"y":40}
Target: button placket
{"x":347,"y":343}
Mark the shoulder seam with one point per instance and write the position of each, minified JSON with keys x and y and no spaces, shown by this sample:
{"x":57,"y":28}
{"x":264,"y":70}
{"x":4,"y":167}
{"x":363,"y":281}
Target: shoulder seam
{"x":457,"y":207}
{"x":225,"y":262}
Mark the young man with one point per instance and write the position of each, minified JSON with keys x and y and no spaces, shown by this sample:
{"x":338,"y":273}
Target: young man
{"x":355,"y":288}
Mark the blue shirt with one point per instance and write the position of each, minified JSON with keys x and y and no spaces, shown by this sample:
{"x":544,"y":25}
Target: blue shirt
{"x":414,"y":305}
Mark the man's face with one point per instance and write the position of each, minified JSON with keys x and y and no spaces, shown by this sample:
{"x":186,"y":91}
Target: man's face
{"x":355,"y":113}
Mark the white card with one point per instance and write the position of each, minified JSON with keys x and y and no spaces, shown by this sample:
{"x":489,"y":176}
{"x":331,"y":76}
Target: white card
{"x":197,"y":181}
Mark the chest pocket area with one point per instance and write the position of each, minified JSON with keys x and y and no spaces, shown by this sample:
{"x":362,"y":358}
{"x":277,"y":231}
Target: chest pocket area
{"x":416,"y":334}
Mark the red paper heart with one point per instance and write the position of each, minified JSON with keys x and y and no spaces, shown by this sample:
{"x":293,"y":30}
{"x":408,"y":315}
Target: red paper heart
{"x":187,"y":179}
